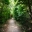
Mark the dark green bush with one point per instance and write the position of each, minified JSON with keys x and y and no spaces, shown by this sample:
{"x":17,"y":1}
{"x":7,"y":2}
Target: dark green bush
{"x":22,"y":17}
{"x":4,"y":11}
{"x":4,"y":14}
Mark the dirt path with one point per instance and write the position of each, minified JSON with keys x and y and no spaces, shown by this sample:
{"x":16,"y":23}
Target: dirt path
{"x":12,"y":26}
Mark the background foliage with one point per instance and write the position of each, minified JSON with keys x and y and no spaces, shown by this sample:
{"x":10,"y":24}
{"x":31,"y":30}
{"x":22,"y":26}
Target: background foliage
{"x":4,"y":11}
{"x":22,"y":14}
{"x":21,"y":11}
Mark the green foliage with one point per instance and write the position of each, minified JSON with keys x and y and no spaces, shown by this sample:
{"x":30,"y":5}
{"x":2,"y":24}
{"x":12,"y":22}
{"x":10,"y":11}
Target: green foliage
{"x":5,"y":1}
{"x":15,"y":0}
{"x":4,"y":11}
{"x":19,"y":10}
{"x":22,"y":16}
{"x":5,"y":15}
{"x":15,"y":13}
{"x":25,"y":2}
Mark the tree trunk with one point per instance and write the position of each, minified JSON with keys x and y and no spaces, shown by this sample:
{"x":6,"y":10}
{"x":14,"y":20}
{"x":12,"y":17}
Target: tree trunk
{"x":30,"y":8}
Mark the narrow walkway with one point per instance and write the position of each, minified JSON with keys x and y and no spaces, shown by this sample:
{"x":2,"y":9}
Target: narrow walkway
{"x":11,"y":26}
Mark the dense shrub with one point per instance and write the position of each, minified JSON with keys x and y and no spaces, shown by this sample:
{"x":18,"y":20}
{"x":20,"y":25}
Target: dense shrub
{"x":5,"y":14}
{"x":4,"y":11}
{"x":22,"y":17}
